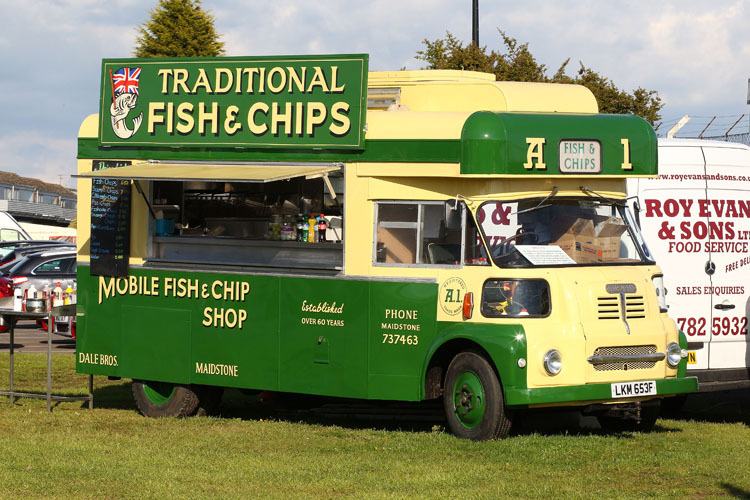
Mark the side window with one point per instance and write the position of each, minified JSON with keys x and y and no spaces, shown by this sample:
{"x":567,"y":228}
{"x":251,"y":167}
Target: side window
{"x":51,"y":267}
{"x":416,"y":233}
{"x":503,"y":298}
{"x":396,"y":233}
{"x":441,"y":244}
{"x":10,"y":235}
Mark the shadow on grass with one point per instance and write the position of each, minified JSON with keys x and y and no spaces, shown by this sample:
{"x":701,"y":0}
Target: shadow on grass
{"x":716,"y":407}
{"x":736,"y":492}
{"x":319,"y":410}
{"x":113,"y":396}
{"x":424,"y":416}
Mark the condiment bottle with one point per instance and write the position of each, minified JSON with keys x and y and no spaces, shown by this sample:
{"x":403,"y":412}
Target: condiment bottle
{"x":17,"y":299}
{"x":300,"y":226}
{"x":322,"y":228}
{"x":312,"y":224}
{"x":57,"y":296}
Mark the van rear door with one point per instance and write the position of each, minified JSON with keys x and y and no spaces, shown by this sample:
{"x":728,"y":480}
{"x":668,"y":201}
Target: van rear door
{"x":728,"y":207}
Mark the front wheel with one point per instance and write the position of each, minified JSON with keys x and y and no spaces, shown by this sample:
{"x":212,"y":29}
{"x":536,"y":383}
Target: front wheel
{"x":473,"y":399}
{"x":164,"y":399}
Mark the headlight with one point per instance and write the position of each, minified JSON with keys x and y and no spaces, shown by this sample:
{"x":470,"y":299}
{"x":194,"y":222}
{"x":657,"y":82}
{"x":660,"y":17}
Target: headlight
{"x":674,"y":354}
{"x":553,"y":362}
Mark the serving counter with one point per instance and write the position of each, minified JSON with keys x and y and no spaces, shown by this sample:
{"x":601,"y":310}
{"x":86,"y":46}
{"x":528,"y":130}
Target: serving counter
{"x":248,"y":252}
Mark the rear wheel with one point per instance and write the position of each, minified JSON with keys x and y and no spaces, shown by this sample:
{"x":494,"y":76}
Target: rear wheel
{"x":164,"y":399}
{"x":473,"y":399}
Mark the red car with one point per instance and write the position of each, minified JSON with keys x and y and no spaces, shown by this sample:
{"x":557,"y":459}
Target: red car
{"x":6,"y":290}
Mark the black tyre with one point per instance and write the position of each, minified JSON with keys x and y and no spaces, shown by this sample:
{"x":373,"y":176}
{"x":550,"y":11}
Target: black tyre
{"x":163,"y":399}
{"x":643,"y":422}
{"x":473,"y":399}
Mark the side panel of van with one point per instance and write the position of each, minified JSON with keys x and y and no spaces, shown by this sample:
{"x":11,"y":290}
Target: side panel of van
{"x":696,"y":220}
{"x":728,"y":187}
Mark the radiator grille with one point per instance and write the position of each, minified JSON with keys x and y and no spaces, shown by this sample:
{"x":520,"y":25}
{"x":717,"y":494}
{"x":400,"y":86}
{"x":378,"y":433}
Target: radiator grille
{"x":625,"y":351}
{"x":609,"y":307}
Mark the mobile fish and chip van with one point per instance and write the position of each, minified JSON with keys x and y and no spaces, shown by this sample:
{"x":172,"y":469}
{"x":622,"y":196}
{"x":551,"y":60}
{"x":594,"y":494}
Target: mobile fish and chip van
{"x":485,"y":257}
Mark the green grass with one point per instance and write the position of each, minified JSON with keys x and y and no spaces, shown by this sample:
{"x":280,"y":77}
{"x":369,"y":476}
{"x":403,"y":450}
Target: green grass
{"x":257,"y":451}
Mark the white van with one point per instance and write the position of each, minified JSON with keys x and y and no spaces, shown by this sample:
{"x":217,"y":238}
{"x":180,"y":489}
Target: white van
{"x":696,"y":219}
{"x":10,"y":230}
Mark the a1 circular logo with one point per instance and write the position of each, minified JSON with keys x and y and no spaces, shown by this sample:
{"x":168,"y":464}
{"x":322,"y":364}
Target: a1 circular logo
{"x":451,"y":295}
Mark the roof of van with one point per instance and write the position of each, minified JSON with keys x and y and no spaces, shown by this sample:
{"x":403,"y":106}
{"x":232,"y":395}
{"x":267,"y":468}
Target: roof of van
{"x":698,"y":143}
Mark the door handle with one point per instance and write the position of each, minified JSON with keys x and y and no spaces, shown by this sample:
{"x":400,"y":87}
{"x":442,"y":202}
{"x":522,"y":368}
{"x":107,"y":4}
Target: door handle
{"x":724,"y":307}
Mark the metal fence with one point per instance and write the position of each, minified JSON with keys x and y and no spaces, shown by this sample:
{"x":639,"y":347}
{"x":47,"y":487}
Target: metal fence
{"x":741,"y":138}
{"x":717,"y":128}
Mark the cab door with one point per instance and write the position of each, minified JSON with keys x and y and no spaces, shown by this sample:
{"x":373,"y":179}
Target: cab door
{"x":728,"y":208}
{"x":670,"y":220}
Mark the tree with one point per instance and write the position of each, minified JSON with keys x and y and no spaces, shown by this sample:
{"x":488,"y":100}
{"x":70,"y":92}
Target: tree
{"x":178,"y":28}
{"x":518,"y":64}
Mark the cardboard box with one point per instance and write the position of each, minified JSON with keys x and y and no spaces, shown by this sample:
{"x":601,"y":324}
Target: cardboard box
{"x":587,"y":242}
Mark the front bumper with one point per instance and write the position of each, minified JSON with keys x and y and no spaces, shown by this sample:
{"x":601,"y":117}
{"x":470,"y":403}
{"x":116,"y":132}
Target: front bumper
{"x":576,"y":395}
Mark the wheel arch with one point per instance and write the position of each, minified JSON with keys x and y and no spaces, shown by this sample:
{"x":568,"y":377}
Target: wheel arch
{"x":501,"y":345}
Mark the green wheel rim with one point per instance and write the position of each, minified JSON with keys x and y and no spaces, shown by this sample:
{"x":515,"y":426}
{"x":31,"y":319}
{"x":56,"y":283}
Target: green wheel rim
{"x":468,"y":399}
{"x":158,"y":392}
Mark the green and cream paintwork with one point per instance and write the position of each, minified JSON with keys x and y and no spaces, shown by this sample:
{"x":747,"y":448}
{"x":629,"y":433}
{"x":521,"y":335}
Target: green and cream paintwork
{"x":373,"y":330}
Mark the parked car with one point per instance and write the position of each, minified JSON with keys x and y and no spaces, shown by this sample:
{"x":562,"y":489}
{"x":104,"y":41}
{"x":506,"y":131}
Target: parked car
{"x":48,"y":267}
{"x":12,"y":258}
{"x":7,"y":247}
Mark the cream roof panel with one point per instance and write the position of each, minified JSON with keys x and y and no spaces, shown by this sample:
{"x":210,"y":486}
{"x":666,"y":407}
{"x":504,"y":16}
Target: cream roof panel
{"x":395,"y":78}
{"x":408,"y":125}
{"x":89,"y":127}
{"x":453,"y":90}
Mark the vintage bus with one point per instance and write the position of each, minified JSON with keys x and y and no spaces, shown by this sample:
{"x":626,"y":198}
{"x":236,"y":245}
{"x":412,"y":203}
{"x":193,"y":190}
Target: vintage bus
{"x":302,"y":225}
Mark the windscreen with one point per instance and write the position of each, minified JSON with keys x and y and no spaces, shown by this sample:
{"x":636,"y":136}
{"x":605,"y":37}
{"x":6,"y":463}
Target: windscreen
{"x":560,"y":232}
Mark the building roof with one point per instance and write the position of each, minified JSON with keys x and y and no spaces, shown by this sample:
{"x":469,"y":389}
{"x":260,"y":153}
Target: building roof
{"x":17,"y":180}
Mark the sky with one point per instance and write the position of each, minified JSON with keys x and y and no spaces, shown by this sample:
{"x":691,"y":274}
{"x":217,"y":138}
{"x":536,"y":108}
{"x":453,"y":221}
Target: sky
{"x":695,"y":54}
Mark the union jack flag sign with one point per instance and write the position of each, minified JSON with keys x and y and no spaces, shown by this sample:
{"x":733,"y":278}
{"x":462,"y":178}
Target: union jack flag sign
{"x":125,"y":81}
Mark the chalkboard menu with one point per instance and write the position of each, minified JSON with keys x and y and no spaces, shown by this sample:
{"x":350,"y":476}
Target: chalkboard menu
{"x":110,"y":222}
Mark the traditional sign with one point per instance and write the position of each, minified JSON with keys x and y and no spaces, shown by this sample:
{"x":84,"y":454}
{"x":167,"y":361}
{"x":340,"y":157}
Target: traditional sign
{"x":261,"y":102}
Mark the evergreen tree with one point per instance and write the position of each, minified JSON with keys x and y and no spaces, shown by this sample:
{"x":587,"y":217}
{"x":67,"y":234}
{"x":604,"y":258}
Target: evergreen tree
{"x":178,"y":28}
{"x":518,"y":64}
